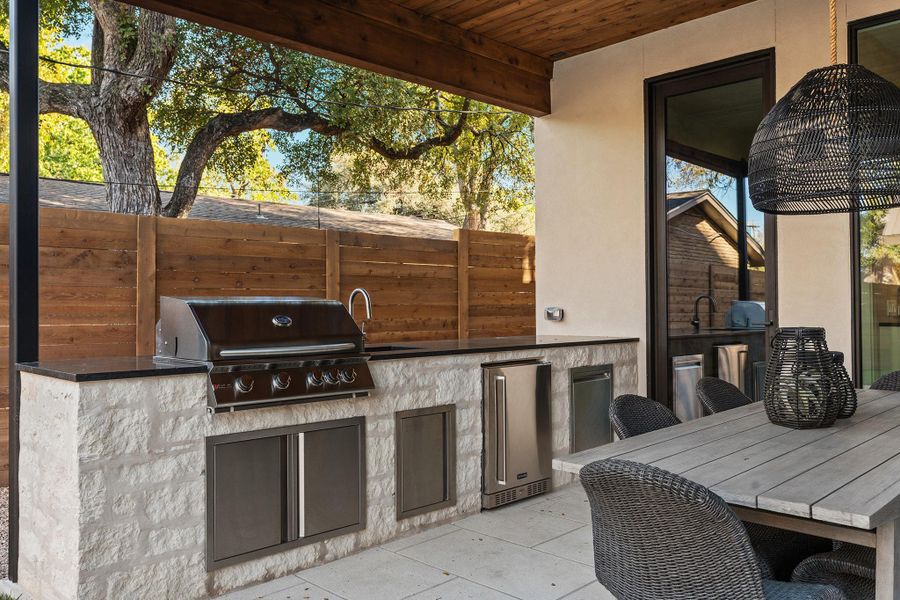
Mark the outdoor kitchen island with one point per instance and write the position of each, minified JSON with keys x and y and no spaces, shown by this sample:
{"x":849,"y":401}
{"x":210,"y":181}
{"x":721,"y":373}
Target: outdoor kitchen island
{"x":114,"y":456}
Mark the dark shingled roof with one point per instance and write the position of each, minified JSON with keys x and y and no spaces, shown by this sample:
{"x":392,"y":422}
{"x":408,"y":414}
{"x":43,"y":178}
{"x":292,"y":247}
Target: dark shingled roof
{"x":678,"y":203}
{"x":92,"y":196}
{"x":678,"y":199}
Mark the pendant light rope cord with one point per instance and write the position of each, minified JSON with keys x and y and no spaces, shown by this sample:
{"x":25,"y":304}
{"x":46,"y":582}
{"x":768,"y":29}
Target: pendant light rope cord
{"x":832,"y":14}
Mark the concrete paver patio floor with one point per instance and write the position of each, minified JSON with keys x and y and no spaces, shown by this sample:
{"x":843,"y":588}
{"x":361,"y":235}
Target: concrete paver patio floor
{"x":539,"y":549}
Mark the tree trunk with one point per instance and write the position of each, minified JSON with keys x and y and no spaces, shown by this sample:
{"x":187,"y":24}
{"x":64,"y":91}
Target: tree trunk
{"x":126,"y":155}
{"x":473,"y":217}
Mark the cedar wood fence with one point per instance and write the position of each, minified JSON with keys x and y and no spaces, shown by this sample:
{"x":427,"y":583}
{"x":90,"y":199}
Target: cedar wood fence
{"x":102,"y":275}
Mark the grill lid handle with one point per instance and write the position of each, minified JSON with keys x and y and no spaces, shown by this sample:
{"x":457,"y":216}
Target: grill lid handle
{"x":287,"y":350}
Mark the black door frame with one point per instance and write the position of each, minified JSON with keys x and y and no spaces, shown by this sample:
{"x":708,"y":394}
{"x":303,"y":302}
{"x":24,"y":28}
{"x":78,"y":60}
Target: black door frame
{"x":754,"y":65}
{"x":853,"y":28}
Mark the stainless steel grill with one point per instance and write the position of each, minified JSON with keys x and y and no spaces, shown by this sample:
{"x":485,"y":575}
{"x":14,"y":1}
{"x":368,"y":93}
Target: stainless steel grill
{"x":266,"y":351}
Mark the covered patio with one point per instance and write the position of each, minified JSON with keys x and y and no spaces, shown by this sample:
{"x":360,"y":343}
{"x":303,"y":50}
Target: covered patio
{"x":623,"y":94}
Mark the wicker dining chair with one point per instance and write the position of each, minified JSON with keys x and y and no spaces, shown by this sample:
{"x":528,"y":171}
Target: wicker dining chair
{"x":890,"y":382}
{"x":633,"y":415}
{"x":717,"y":395}
{"x":850,"y":568}
{"x":658,"y":535}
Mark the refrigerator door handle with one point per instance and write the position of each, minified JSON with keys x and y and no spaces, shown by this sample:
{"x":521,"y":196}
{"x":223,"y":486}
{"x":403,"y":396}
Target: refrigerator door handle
{"x":502,"y":427}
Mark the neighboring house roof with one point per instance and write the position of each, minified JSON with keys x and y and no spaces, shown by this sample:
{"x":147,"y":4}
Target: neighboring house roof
{"x":678,"y":203}
{"x":92,"y":196}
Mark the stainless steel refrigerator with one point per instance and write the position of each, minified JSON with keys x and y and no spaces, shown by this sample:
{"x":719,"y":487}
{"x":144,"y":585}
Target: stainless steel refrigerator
{"x":517,"y":432}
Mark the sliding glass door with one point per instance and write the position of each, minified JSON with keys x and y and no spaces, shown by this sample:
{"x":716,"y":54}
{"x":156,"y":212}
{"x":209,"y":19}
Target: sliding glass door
{"x":875,"y":44}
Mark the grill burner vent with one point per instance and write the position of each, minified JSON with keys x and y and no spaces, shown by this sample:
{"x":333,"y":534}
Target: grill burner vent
{"x":264,"y":351}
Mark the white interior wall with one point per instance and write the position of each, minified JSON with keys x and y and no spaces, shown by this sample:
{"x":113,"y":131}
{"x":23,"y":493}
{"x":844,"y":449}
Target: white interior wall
{"x":590,"y":179}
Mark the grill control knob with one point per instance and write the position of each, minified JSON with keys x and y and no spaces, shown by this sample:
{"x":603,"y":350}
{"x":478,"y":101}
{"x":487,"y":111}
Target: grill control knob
{"x":331,"y":377}
{"x":281,"y":381}
{"x":313,"y":380}
{"x":348,"y":375}
{"x":244,"y":384}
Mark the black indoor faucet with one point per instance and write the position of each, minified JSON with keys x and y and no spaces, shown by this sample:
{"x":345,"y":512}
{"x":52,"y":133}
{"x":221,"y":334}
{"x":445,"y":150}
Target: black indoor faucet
{"x":712,"y":305}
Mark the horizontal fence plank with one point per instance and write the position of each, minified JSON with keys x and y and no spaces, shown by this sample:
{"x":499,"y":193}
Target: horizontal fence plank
{"x":412,"y":336}
{"x":400,"y":271}
{"x":499,"y":238}
{"x":393,"y":283}
{"x":411,"y":296}
{"x":392,"y":242}
{"x":489,"y":274}
{"x":78,"y":258}
{"x":172,"y":245}
{"x":487,"y":298}
{"x":209,"y":280}
{"x":486,"y":250}
{"x":167,"y":290}
{"x":501,"y":262}
{"x":240,"y":264}
{"x":494,"y":285}
{"x":101,"y":239}
{"x":196,"y":228}
{"x":398,"y":256}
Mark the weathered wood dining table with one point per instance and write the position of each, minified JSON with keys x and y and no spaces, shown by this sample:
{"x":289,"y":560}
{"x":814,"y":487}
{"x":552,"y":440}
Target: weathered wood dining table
{"x":842,"y":482}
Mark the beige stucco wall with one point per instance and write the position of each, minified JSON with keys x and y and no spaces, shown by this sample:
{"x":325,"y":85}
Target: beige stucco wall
{"x":590,"y":189}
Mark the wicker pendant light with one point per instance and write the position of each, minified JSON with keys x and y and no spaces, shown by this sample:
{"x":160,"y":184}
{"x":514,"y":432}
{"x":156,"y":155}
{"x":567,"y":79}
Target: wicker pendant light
{"x":831,"y":145}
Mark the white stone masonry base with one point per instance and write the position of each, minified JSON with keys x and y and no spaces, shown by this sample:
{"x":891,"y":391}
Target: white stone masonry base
{"x":113,"y":487}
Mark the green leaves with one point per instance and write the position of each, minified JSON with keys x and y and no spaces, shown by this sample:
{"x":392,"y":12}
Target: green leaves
{"x":361,"y":120}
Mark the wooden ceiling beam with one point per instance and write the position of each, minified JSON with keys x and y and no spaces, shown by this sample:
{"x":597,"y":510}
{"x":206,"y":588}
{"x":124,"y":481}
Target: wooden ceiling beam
{"x":386,"y":38}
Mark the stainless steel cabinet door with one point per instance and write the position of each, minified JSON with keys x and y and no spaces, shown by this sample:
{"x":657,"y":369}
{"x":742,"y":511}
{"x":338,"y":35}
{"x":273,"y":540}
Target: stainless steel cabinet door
{"x":426,"y":459}
{"x":249,"y":483}
{"x":591,"y":394}
{"x":331,"y":480}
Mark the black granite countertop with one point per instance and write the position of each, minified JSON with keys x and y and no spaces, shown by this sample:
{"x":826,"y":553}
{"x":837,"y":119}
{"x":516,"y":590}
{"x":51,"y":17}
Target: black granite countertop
{"x":127,"y":367}
{"x":109,"y":367}
{"x":399,"y":350}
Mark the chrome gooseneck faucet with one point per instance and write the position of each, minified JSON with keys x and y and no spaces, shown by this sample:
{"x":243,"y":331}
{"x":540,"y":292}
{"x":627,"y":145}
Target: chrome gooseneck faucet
{"x":712,"y":304}
{"x":368,"y":300}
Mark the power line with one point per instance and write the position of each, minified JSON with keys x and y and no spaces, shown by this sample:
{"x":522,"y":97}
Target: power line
{"x":311,"y":192}
{"x":230,"y":90}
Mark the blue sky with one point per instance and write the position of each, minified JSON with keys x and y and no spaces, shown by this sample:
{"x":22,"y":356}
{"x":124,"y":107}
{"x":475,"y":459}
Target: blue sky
{"x":728,"y":197}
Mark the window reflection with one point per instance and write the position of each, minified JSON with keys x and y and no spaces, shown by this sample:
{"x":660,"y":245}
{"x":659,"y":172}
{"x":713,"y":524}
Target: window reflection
{"x":878,"y":49}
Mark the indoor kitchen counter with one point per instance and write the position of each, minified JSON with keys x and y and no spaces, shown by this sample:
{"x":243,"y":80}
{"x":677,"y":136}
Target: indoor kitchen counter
{"x":123,"y":445}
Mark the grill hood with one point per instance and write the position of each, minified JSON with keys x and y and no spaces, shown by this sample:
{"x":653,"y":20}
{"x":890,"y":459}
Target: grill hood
{"x":217,"y":329}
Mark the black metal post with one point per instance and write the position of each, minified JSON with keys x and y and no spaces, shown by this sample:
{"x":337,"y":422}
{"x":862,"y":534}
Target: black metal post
{"x":23,"y":230}
{"x":743,"y":271}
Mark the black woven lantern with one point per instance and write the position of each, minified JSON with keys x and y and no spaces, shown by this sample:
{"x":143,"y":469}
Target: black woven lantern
{"x":798,"y":390}
{"x":841,"y":387}
{"x":832,"y":144}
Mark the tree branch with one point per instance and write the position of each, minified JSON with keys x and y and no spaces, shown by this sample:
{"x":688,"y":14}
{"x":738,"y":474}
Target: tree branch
{"x":111,"y":18}
{"x":65,"y":98}
{"x":222,"y":126}
{"x":97,"y":49}
{"x":448,"y":138}
{"x":154,"y":55}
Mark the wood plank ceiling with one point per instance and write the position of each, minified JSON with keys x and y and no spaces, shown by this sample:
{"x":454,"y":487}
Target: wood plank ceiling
{"x":496,"y":51}
{"x":555,"y":29}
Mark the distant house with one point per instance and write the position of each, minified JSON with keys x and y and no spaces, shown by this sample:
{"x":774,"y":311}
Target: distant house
{"x":703,"y":257}
{"x":92,"y":196}
{"x":702,"y":229}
